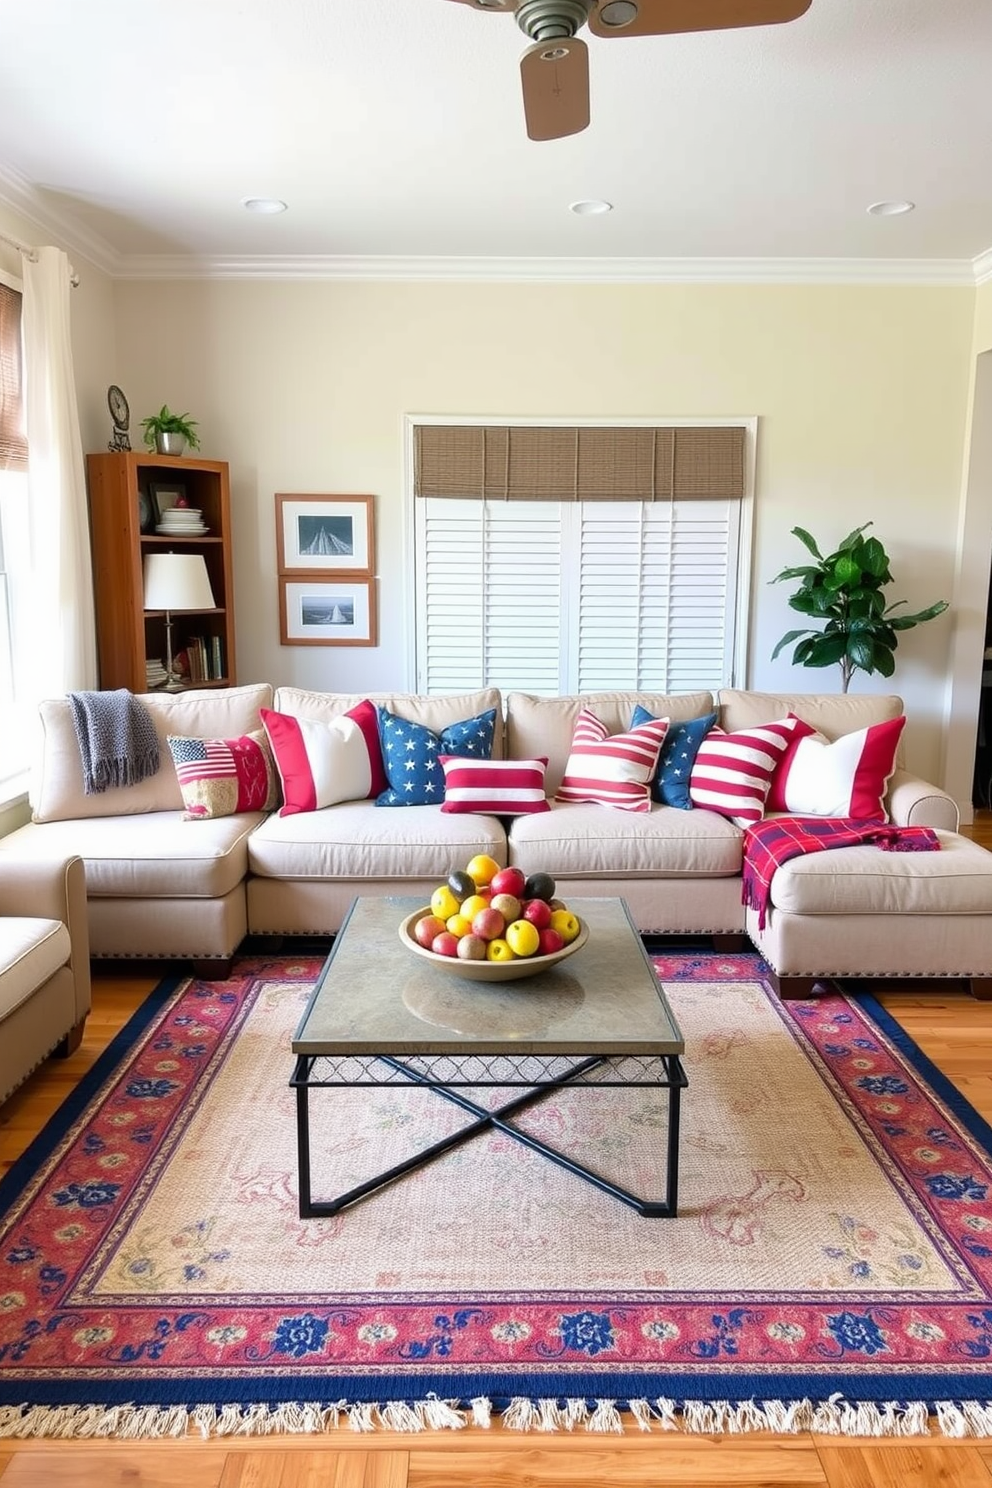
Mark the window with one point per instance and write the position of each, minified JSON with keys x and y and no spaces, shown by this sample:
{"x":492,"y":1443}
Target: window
{"x":14,"y":548}
{"x":626,"y":567}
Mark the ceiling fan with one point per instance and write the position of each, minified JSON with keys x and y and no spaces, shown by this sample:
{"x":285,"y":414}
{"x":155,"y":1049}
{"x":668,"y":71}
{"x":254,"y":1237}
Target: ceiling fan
{"x":555,"y":69}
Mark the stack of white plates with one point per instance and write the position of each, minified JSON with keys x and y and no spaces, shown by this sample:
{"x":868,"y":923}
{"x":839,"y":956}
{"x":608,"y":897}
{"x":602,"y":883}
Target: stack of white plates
{"x":181,"y":521}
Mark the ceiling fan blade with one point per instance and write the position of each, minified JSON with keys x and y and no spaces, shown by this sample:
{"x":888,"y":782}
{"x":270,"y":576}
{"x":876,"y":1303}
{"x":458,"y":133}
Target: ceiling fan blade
{"x":494,"y":5}
{"x":665,"y":17}
{"x":555,"y":77}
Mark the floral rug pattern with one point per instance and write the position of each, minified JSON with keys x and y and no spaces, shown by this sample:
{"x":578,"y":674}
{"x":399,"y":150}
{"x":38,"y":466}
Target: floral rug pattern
{"x":834,"y":1229}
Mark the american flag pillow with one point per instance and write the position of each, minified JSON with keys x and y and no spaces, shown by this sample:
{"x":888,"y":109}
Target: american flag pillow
{"x":612,"y":769}
{"x":496,"y":787}
{"x":732,"y":773}
{"x":219,"y":777}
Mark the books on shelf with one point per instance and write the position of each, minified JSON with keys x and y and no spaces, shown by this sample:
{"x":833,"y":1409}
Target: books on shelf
{"x":203,"y":659}
{"x":155,"y":673}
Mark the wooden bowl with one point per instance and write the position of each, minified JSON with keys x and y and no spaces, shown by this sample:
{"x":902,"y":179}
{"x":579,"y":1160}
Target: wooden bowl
{"x":489,"y":971}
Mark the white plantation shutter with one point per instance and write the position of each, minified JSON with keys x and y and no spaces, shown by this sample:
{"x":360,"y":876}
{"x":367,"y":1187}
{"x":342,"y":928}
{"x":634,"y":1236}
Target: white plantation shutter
{"x":576,"y":595}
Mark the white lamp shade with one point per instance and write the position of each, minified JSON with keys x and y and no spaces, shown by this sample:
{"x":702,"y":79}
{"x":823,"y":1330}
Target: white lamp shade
{"x":177,"y":581}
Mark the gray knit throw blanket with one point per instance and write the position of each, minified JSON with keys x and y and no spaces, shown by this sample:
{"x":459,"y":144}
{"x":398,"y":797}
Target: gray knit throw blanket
{"x":118,"y":744}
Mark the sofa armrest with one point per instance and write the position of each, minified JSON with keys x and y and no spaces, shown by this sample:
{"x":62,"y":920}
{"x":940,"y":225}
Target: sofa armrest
{"x":912,"y":802}
{"x":52,"y":889}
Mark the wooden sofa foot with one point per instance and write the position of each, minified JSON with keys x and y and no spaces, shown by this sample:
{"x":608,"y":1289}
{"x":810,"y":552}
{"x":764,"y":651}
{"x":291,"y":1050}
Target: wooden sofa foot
{"x":730,"y":945}
{"x":71,"y":1042}
{"x":981,"y":988}
{"x":213,"y":968}
{"x":796,"y":988}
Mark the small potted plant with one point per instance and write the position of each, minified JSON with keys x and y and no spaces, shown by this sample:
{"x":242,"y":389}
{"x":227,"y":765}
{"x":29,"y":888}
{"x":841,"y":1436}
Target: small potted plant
{"x":169,"y":433}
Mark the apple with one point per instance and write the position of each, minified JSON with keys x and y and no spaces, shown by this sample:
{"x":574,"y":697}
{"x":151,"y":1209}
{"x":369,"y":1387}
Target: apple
{"x":523,"y":938}
{"x":426,"y":928}
{"x":557,"y":904}
{"x":445,"y":944}
{"x":488,"y":923}
{"x":499,"y":950}
{"x":565,"y":922}
{"x":539,"y":886}
{"x":538,"y":911}
{"x":472,"y":948}
{"x":508,"y":906}
{"x":509,"y":881}
{"x":550,"y":942}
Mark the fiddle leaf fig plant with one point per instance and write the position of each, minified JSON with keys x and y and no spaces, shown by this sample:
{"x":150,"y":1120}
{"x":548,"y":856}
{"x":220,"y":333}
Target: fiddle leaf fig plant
{"x":842,"y":591}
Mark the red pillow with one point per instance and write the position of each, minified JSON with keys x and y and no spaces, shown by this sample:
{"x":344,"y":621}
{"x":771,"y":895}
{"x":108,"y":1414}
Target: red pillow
{"x":494,"y":787}
{"x":321,"y":763}
{"x":847,"y":778}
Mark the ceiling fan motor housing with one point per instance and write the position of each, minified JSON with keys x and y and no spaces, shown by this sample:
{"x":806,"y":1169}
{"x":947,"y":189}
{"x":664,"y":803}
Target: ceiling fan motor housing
{"x":544,"y":20}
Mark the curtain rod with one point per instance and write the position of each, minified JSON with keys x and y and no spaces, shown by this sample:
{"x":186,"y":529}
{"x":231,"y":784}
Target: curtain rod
{"x":32,"y":254}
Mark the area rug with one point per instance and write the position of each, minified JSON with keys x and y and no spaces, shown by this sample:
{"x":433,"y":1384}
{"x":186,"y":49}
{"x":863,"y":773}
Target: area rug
{"x":830,"y":1267}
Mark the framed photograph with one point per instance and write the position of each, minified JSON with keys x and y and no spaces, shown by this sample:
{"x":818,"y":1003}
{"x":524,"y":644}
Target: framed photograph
{"x":318,"y":612}
{"x":325,"y":534}
{"x":162,"y":495}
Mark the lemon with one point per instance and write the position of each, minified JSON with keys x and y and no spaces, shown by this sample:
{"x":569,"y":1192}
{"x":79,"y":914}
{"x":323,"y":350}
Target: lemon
{"x":482,"y":869}
{"x":443,"y":903}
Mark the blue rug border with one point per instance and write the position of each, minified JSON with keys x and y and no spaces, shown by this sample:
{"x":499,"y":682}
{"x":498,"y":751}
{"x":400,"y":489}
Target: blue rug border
{"x":462,"y":1388}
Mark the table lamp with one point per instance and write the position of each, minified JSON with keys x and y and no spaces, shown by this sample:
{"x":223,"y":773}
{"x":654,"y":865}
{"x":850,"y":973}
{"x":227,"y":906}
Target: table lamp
{"x":176,"y":581}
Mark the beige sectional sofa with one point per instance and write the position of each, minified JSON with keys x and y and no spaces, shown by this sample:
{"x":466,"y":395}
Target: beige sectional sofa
{"x":159,"y":886}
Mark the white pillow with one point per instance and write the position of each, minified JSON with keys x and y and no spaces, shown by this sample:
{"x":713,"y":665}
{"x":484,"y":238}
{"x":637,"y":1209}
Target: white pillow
{"x":847,"y":778}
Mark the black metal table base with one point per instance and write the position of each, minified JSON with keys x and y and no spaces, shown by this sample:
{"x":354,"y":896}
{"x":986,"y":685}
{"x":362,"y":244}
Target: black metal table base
{"x":310,"y":1208}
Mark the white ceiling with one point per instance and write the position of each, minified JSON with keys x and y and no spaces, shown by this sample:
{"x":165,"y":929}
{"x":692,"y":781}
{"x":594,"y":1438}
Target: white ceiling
{"x":394,"y":130}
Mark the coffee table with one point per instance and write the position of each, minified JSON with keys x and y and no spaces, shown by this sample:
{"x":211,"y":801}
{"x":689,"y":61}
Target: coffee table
{"x":379,"y":1015}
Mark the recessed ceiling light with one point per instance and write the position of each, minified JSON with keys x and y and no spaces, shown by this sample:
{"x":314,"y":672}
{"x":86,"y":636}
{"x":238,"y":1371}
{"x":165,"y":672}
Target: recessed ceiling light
{"x":890,"y":208}
{"x":592,"y":208}
{"x":266,"y":205}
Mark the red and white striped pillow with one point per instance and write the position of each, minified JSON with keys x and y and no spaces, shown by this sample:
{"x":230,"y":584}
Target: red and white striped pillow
{"x":732,"y":773}
{"x":846,"y":778}
{"x":612,"y":769}
{"x":496,"y":787}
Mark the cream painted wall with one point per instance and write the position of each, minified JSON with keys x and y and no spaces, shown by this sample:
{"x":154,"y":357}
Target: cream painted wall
{"x":861,"y":394}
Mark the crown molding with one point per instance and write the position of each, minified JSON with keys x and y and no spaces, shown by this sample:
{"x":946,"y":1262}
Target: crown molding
{"x":17,"y":193}
{"x":983,"y":267}
{"x":948,"y":271}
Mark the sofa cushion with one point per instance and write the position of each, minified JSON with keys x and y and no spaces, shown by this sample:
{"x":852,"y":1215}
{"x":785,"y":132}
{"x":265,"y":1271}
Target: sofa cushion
{"x":583,"y":841}
{"x":411,"y":754}
{"x":355,"y":841}
{"x":497,"y":787}
{"x":612,"y":770}
{"x":670,"y":782}
{"x":324,"y":761}
{"x":434,"y":711}
{"x":848,"y":777}
{"x":545,"y":725}
{"x":57,"y":792}
{"x":864,"y":880}
{"x":133,"y":857}
{"x":831,"y":714}
{"x":220,"y":777}
{"x":733,"y":772}
{"x":31,"y":951}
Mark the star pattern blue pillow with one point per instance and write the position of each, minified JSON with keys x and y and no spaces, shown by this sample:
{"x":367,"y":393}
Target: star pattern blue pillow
{"x":410,"y":754}
{"x":670,"y":784}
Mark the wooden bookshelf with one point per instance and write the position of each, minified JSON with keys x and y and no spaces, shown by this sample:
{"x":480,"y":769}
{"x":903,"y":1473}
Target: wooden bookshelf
{"x":120,"y":487}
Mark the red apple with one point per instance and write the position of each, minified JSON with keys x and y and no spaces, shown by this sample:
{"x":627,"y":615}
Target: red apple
{"x":549,"y":942}
{"x":488,"y":923}
{"x":425,"y":930}
{"x":445,"y":944}
{"x":538,"y":911}
{"x":509,"y":881}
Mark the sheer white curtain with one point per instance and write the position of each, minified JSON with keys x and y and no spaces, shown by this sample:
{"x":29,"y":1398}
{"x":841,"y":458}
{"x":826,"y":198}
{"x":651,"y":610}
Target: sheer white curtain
{"x":62,"y":647}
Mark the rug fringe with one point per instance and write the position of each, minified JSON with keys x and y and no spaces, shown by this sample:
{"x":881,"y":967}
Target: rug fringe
{"x":835,"y":1416}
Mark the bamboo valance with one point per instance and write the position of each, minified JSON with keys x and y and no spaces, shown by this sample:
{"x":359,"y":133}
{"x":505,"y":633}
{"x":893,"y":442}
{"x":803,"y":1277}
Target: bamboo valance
{"x":13,"y":441}
{"x":592,"y":463}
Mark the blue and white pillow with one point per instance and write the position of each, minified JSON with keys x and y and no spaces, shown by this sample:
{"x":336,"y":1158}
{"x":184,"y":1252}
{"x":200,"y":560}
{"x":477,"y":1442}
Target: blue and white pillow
{"x":410,"y":754}
{"x":670,"y":783}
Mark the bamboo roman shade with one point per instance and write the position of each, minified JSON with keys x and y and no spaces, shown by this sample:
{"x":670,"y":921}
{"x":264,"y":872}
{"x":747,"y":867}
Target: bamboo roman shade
{"x":13,"y":441}
{"x":592,"y":463}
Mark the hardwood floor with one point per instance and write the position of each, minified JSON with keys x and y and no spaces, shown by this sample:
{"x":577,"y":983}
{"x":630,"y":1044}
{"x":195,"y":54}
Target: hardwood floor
{"x":954,"y":1030}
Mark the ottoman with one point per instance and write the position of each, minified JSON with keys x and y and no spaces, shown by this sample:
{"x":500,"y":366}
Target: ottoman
{"x":863,"y":912}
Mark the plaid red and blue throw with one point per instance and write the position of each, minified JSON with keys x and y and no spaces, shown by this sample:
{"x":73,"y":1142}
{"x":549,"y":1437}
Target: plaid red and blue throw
{"x":770,"y":843}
